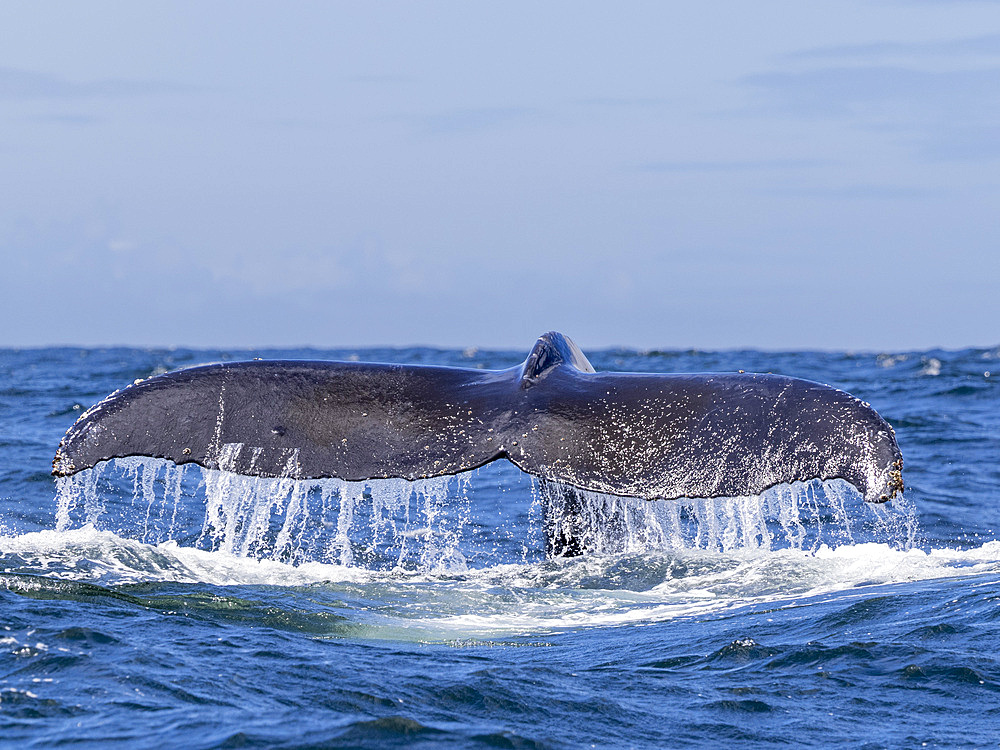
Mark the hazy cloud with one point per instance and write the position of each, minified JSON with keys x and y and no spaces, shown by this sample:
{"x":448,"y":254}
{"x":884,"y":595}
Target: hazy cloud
{"x":616,"y":102}
{"x":26,"y":84}
{"x":988,"y":45}
{"x":730,"y":166}
{"x":382,"y":80}
{"x":965,"y":142}
{"x":872,"y":90}
{"x":68,"y":119}
{"x":470,"y":120}
{"x":859,"y":192}
{"x":910,"y":89}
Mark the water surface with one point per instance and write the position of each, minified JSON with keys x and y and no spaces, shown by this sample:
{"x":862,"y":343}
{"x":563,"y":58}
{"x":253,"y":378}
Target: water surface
{"x":147,"y":606}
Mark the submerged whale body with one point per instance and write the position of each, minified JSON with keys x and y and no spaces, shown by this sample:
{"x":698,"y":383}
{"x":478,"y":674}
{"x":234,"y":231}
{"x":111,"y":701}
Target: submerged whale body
{"x":650,"y":436}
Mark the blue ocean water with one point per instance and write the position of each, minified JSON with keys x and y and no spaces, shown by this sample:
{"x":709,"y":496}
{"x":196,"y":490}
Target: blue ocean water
{"x":146,"y":606}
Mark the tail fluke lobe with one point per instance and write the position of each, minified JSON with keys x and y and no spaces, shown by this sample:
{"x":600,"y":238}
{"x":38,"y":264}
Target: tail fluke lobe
{"x":703,"y":436}
{"x":294,"y":419}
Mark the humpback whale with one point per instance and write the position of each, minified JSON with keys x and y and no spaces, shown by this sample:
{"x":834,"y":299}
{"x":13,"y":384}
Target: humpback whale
{"x":652,"y":436}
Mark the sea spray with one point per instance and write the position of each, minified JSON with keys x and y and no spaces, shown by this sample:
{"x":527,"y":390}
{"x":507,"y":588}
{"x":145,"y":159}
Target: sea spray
{"x":440,"y":524}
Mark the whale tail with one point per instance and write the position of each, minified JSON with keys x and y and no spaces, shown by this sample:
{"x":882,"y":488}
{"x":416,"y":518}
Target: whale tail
{"x":651,"y":436}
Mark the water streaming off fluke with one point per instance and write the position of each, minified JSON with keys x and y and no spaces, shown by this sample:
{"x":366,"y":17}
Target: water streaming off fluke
{"x":442,"y":524}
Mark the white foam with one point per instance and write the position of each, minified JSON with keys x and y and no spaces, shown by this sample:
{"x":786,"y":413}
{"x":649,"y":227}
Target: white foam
{"x":725,"y":582}
{"x":86,"y":554}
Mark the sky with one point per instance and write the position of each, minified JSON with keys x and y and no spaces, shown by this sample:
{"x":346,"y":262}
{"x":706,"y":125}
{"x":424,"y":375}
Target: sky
{"x":777,"y":175}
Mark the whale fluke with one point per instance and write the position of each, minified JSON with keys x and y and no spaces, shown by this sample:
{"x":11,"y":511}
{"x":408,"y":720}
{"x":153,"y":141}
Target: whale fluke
{"x":651,"y":436}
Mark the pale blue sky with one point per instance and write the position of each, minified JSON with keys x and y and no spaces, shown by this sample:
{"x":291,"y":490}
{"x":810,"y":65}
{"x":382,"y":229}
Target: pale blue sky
{"x":719,"y":174}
